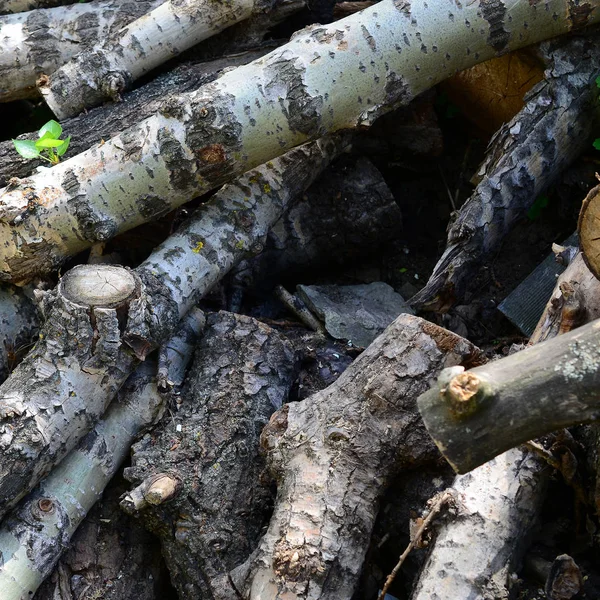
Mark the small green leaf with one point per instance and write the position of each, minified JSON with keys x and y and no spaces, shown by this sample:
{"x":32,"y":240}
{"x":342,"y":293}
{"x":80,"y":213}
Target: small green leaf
{"x":402,"y":270}
{"x":596,"y":143}
{"x":26,"y":148}
{"x":60,"y":150}
{"x":51,"y":129}
{"x":48,"y":143}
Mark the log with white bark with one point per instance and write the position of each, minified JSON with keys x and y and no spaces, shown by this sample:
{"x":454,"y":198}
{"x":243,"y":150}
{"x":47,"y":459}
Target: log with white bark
{"x":17,"y":6}
{"x":37,"y":532}
{"x":479,"y":546}
{"x":334,"y":453}
{"x":38,"y":42}
{"x":475,"y":415}
{"x":525,"y":157}
{"x":102,"y":320}
{"x":19,"y":323}
{"x":326,"y":78}
{"x":113,"y":64}
{"x":205,"y":459}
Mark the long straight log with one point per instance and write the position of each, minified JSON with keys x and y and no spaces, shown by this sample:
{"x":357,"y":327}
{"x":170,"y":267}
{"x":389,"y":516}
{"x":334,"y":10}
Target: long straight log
{"x":111,"y":66}
{"x":475,"y":415}
{"x":325,"y":79}
{"x":102,"y":320}
{"x":525,"y":157}
{"x":38,"y":42}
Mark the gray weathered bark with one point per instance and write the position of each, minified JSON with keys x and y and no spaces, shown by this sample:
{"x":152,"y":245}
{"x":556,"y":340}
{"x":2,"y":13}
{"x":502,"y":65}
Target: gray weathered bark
{"x":19,"y":323}
{"x":475,"y":415}
{"x":37,"y":43}
{"x":524,"y":158}
{"x":257,"y":112}
{"x":37,"y":532}
{"x":241,"y":374}
{"x":96,"y":333}
{"x":333,"y":455}
{"x":112,"y":65}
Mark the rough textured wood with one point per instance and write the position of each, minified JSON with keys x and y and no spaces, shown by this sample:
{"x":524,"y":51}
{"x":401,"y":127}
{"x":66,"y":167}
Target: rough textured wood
{"x":241,"y":374}
{"x":333,"y":455}
{"x":548,"y":386}
{"x":36,"y":43}
{"x":589,"y":231}
{"x":523,"y":159}
{"x":17,"y":6}
{"x":200,"y":140}
{"x":111,"y":66}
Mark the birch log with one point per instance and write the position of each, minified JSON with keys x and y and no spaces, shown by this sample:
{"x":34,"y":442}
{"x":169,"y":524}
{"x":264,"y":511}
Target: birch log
{"x":37,"y":532}
{"x":112,"y":65}
{"x":325,"y":79}
{"x":38,"y":42}
{"x":333,"y":455}
{"x":475,"y":415}
{"x":523,"y":159}
{"x":64,"y":385}
{"x":242,"y":372}
{"x":18,"y":6}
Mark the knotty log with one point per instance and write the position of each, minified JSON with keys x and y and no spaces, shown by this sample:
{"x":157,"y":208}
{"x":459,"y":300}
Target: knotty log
{"x":523,"y":159}
{"x":475,"y":415}
{"x":96,"y":332}
{"x":112,"y":65}
{"x":325,"y":79}
{"x":333,"y":455}
{"x":242,"y":372}
{"x":38,"y":42}
{"x":48,"y":517}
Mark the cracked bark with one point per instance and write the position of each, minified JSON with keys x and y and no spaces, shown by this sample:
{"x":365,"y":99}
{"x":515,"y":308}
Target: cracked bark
{"x":334,"y":453}
{"x":255,"y":113}
{"x":524,"y":158}
{"x":89,"y":345}
{"x":38,"y":531}
{"x":112,"y":65}
{"x":38,"y":42}
{"x":241,"y":374}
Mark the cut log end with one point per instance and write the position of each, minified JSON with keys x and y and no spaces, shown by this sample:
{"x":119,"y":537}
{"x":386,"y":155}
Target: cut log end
{"x":588,"y":229}
{"x":104,"y":286}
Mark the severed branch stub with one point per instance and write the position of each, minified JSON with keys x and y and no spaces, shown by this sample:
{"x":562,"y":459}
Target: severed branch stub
{"x":473,"y":416}
{"x":589,"y":230}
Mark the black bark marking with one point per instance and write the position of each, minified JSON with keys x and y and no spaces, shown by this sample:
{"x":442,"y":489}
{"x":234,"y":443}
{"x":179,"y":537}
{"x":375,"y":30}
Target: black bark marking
{"x":494,"y":11}
{"x":151,"y":207}
{"x":369,"y":38}
{"x":181,"y":167}
{"x":303,"y":111}
{"x":93,"y":226}
{"x":579,"y":13}
{"x":397,"y":90}
{"x":70,"y":183}
{"x":87,"y":26}
{"x":403,"y":6}
{"x":42,"y":45}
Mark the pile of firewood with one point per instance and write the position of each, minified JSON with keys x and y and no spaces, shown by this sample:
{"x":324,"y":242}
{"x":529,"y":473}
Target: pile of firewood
{"x":263,"y":449}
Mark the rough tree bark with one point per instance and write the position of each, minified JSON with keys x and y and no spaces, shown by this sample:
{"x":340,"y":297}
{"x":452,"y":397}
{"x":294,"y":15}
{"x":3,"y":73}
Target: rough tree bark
{"x":95,"y":335}
{"x":523,"y":159}
{"x":19,"y":323}
{"x":37,"y":532}
{"x":333,"y":455}
{"x":17,"y":6}
{"x":242,"y":373}
{"x":38,"y":42}
{"x":112,"y":65}
{"x":475,"y":415}
{"x":256,"y":112}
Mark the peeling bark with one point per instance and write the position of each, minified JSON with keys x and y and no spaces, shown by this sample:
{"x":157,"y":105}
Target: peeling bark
{"x":545,"y":387}
{"x":19,"y":323}
{"x":242,"y":373}
{"x":112,"y":65}
{"x":93,"y":339}
{"x":36,"y":43}
{"x":253,"y":114}
{"x":37,"y":532}
{"x":524,"y":158}
{"x":333,"y":455}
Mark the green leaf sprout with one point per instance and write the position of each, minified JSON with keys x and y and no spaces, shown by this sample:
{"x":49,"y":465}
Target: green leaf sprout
{"x":48,"y":146}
